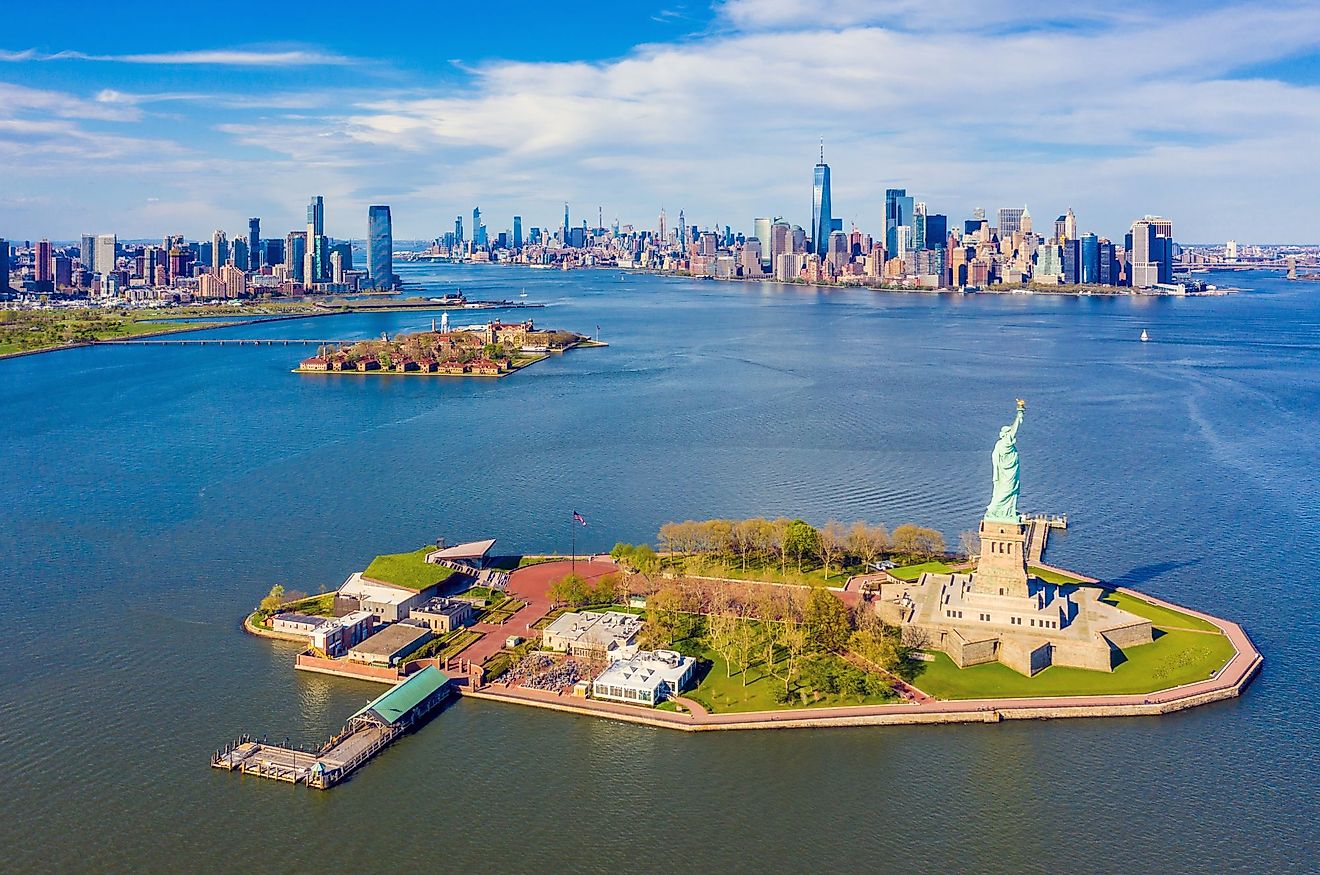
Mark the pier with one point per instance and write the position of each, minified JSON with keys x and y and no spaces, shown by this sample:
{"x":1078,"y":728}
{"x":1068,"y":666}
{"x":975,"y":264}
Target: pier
{"x":223,"y":341}
{"x":1038,"y":534}
{"x":365,"y":734}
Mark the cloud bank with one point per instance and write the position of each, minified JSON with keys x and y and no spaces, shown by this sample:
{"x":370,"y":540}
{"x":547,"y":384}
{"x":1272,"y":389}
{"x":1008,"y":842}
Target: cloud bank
{"x":1184,"y":110}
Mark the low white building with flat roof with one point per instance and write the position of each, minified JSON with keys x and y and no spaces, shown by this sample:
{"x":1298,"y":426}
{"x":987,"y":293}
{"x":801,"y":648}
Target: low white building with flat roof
{"x":647,"y":677}
{"x":591,"y":634}
{"x":389,"y":603}
{"x":338,"y":635}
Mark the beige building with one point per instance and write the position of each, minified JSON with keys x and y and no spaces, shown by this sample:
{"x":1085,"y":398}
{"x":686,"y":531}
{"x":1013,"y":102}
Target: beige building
{"x":442,"y":615}
{"x":1001,"y":613}
{"x":592,"y":635}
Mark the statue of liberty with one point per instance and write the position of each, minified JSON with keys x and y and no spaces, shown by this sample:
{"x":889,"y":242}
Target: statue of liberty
{"x":1003,"y":502}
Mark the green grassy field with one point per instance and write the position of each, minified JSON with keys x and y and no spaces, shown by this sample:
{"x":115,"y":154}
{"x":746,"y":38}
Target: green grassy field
{"x":1162,"y":617}
{"x":710,"y":567}
{"x":721,"y":695}
{"x":1049,"y":576}
{"x":408,"y":570}
{"x":912,"y":573}
{"x":32,"y":330}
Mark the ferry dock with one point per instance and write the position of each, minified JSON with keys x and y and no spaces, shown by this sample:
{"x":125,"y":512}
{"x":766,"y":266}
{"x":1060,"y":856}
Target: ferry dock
{"x":366,"y":733}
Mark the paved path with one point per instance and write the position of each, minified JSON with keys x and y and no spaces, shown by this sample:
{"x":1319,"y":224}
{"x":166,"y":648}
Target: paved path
{"x":1226,"y":683}
{"x":532,"y":586}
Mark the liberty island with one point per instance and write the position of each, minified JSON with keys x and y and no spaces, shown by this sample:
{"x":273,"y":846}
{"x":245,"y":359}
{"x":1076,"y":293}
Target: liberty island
{"x":646,"y":628}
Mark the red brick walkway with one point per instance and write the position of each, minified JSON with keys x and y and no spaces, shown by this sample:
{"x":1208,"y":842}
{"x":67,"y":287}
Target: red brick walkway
{"x":531,"y":585}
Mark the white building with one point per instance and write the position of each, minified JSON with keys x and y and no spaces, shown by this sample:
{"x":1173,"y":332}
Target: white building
{"x":389,"y":603}
{"x":647,"y":677}
{"x":336,"y":636}
{"x":293,"y":623}
{"x":590,"y":634}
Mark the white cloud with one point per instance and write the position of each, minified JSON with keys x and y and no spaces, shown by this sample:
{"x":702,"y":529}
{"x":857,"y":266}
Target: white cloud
{"x":1130,"y":111}
{"x":215,"y":57}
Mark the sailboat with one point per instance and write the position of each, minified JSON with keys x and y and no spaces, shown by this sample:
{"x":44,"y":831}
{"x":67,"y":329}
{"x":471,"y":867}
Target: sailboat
{"x":524,"y":294}
{"x":1145,"y":336}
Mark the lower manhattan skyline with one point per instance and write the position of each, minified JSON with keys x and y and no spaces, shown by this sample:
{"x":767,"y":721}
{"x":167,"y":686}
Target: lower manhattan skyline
{"x":713,"y":109}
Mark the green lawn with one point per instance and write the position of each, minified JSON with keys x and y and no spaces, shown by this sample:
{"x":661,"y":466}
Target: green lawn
{"x":912,"y":573}
{"x":1049,"y":576}
{"x":322,"y":605}
{"x":407,"y":570}
{"x":1175,"y":657}
{"x":711,"y":567}
{"x":722,"y":695}
{"x":1162,"y":617}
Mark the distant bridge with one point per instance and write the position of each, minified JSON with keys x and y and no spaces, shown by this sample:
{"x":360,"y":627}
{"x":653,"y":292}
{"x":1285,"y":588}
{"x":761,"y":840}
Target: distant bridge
{"x":225,"y":341}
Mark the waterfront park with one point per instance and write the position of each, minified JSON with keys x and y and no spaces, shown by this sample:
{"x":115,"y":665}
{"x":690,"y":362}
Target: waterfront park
{"x":755,"y":623}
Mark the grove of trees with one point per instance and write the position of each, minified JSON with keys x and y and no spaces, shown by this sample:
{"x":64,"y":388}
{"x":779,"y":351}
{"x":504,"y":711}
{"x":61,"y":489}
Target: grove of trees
{"x":794,"y":543}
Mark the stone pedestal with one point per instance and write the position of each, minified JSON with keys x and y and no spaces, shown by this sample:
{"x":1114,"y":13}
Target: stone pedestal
{"x":1002,"y":569}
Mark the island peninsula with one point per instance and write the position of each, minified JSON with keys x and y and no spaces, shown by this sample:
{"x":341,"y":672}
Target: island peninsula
{"x":752,"y":624}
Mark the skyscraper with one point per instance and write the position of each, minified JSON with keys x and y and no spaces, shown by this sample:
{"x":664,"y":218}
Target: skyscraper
{"x":458,"y":230}
{"x":295,"y":255}
{"x":254,"y":244}
{"x":1145,"y":268}
{"x":380,"y":247}
{"x":316,"y":217}
{"x":87,"y":253}
{"x":682,"y":229}
{"x":517,"y":232}
{"x":1090,"y":258}
{"x":898,"y":214}
{"x":317,"y":255}
{"x":106,"y":253}
{"x":822,"y":209}
{"x":1070,"y":224}
{"x":42,"y":270}
{"x":566,"y":223}
{"x":238,"y":253}
{"x":937,"y":231}
{"x":1010,"y":220}
{"x":219,"y":251}
{"x":761,"y":231}
{"x":4,"y":265}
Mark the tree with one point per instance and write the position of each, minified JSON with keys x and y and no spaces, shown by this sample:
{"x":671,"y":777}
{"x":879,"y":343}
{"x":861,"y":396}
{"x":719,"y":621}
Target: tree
{"x":969,"y":545}
{"x":747,"y":637}
{"x":918,"y":542}
{"x":570,"y":590}
{"x":829,"y":544}
{"x":721,"y":634}
{"x":273,"y":600}
{"x":789,"y":639}
{"x":827,"y":620}
{"x":800,"y":539}
{"x":663,"y":612}
{"x":867,"y":542}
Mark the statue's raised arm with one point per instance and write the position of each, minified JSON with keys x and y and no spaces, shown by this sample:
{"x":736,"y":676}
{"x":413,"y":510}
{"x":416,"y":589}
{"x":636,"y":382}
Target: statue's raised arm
{"x":1017,"y":420}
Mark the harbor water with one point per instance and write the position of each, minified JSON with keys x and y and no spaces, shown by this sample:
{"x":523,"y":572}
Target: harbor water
{"x":151,"y":495}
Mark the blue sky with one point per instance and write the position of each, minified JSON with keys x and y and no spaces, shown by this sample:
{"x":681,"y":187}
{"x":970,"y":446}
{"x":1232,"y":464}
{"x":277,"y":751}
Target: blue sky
{"x":145,"y":120}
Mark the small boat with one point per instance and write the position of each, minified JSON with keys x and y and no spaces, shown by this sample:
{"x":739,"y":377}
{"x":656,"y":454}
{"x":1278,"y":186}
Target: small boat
{"x":524,"y":294}
{"x":1144,"y":335}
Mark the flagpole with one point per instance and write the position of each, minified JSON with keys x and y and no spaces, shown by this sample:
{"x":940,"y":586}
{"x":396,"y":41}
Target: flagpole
{"x":572,"y":524}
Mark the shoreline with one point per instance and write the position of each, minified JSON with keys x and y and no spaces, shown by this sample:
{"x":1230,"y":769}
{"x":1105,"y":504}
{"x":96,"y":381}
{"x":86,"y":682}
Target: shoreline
{"x":1228,"y":682}
{"x":1068,"y":291}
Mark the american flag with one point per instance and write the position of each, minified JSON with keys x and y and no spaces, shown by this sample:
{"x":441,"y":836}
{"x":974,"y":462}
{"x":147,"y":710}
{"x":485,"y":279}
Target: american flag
{"x":577,"y":518}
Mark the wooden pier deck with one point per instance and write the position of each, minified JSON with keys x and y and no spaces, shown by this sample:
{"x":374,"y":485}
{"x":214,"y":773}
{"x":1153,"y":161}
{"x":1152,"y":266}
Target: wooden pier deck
{"x":367,"y":732}
{"x":223,"y":341}
{"x":1038,"y":534}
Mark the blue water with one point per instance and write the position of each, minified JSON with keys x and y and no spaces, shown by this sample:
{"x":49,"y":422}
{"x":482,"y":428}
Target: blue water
{"x":151,"y":495}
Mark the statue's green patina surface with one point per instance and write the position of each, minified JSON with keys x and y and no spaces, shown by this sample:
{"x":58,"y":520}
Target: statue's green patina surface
{"x":1003,"y":502}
